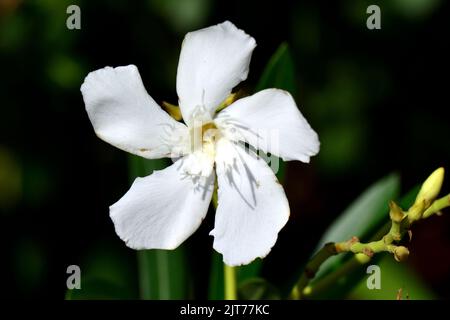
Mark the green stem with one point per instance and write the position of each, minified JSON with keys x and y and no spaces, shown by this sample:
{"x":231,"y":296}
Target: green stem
{"x":400,"y":224}
{"x":437,"y":206}
{"x":230,"y":282}
{"x":311,"y":269}
{"x":363,"y":253}
{"x":386,"y":240}
{"x":330,"y":279}
{"x":230,"y":291}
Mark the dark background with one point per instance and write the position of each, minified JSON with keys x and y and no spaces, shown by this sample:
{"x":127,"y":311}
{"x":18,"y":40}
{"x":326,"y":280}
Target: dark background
{"x":377,"y":99}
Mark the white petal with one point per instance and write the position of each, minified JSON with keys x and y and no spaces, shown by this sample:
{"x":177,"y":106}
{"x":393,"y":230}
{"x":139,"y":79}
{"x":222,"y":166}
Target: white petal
{"x":270,"y":121}
{"x":252,"y":205}
{"x":163,"y":209}
{"x":212,"y":61}
{"x":124,"y":115}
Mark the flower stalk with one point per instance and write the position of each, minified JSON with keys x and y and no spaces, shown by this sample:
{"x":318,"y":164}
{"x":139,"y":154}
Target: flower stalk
{"x":391,"y":242}
{"x":230,"y":282}
{"x":229,"y":272}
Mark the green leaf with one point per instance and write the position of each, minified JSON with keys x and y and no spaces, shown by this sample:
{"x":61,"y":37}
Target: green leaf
{"x":162,"y":274}
{"x":367,"y":212}
{"x":216,"y":279}
{"x":408,"y":199}
{"x":249,"y":271}
{"x":279,"y":73}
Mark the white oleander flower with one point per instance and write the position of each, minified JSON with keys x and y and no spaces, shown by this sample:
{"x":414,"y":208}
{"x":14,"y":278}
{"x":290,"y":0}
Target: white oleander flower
{"x":162,"y":210}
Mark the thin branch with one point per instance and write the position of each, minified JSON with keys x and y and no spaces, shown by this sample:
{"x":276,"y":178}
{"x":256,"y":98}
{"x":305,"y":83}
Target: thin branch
{"x":400,"y":224}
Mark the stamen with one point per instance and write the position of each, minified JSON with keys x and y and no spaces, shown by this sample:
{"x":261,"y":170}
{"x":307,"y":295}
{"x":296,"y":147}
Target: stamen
{"x":202,"y":135}
{"x":173,"y":110}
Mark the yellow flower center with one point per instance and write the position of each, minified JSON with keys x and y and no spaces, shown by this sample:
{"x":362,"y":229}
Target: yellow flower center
{"x":203,"y":137}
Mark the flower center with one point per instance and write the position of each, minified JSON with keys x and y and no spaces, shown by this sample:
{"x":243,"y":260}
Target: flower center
{"x":203,"y":137}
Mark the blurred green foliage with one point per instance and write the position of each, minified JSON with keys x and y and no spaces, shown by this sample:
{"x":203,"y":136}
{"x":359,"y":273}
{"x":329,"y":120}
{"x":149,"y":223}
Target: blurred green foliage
{"x":10,"y":180}
{"x":105,"y":274}
{"x":183,"y":16}
{"x":30,"y":264}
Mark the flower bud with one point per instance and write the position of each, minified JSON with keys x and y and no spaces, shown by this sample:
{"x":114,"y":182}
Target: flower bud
{"x":431,"y":187}
{"x":395,"y":212}
{"x":401,"y":253}
{"x":362,"y":258}
{"x":416,"y":211}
